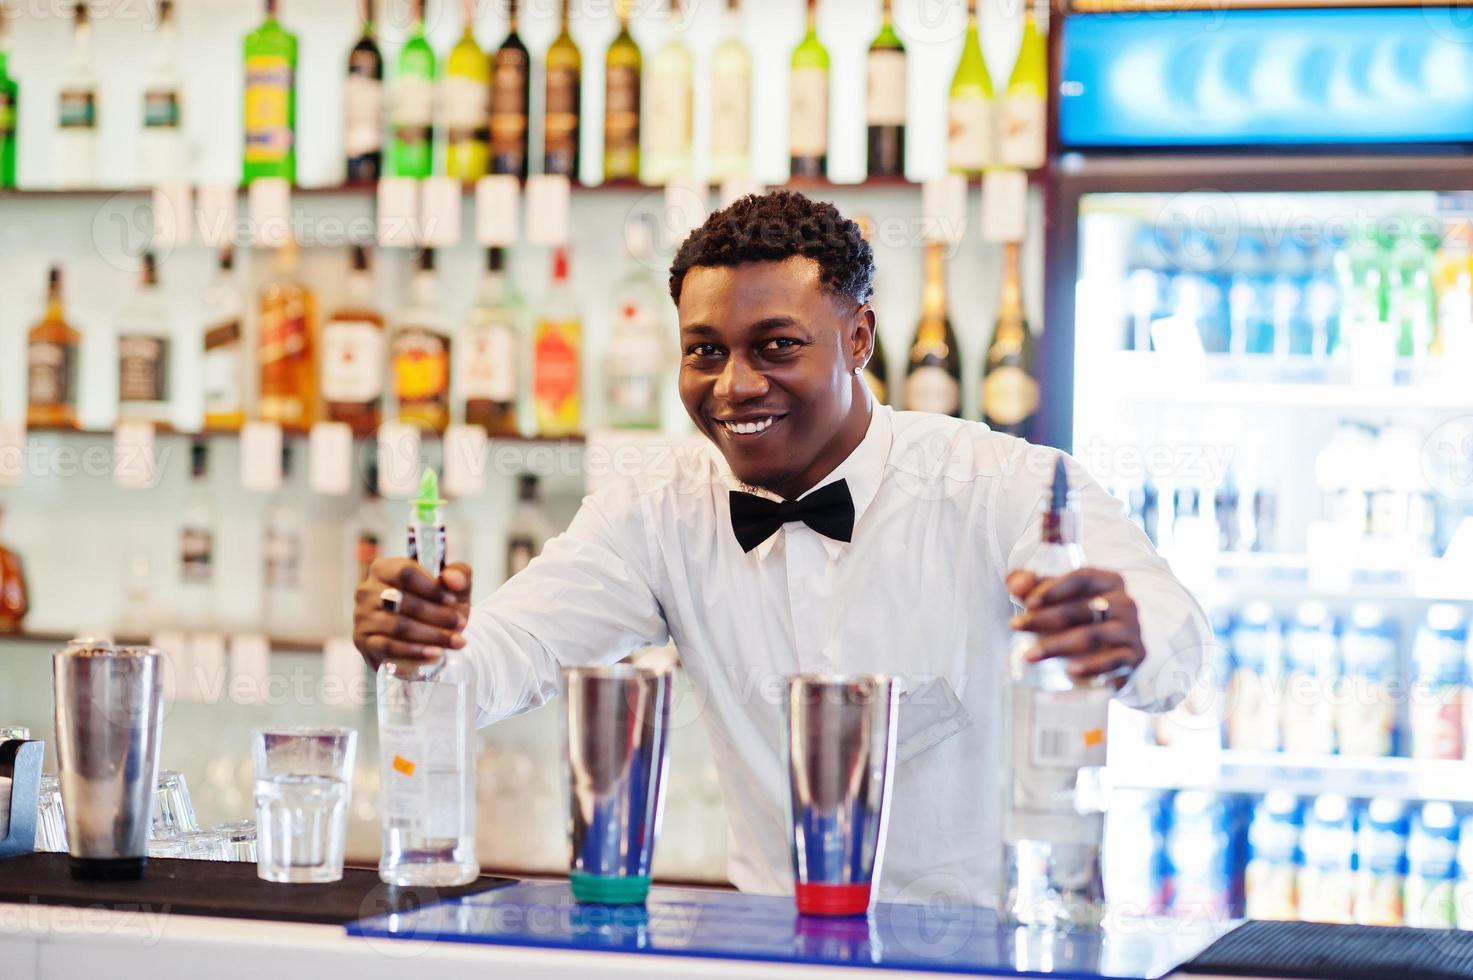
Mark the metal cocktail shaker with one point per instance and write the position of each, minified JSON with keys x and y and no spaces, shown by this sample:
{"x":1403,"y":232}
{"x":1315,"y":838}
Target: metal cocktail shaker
{"x":109,"y":720}
{"x":617,"y":745}
{"x":841,"y":750}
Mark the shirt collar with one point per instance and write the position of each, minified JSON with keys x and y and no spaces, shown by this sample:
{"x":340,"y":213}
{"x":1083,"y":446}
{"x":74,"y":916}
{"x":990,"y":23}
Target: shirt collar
{"x":863,"y":468}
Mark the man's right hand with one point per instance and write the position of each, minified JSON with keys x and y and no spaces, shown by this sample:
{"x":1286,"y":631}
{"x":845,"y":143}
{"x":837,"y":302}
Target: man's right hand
{"x":431,"y":614}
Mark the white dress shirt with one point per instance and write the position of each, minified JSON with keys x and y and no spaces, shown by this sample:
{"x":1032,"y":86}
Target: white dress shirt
{"x":943,"y":509}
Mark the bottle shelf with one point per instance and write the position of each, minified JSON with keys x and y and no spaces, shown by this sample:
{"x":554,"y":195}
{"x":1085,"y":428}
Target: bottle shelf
{"x":1229,"y":771}
{"x":54,"y":640}
{"x":164,"y":429}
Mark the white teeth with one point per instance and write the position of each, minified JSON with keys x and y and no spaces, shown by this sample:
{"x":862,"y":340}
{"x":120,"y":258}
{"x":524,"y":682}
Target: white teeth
{"x":748,"y":428}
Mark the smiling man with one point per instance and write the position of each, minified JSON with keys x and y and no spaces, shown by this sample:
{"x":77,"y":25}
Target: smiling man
{"x":818,"y":532}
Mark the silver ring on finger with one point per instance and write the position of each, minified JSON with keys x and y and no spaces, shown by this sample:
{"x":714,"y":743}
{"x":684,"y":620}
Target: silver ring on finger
{"x":389,"y":600}
{"x":1099,"y":608}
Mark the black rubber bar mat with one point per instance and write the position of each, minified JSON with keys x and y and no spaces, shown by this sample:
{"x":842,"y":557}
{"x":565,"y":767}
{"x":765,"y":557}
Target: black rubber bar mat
{"x":221,"y":888}
{"x":1319,"y":951}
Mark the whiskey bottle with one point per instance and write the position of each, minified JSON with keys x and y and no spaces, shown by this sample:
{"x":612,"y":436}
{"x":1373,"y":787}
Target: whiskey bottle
{"x":287,"y":354}
{"x":353,"y":362}
{"x":52,"y":347}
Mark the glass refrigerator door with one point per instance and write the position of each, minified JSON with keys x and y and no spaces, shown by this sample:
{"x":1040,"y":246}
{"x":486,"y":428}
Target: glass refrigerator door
{"x":1277,"y":387}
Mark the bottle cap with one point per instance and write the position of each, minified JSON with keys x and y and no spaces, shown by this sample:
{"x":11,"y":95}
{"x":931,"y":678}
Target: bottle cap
{"x":428,"y":502}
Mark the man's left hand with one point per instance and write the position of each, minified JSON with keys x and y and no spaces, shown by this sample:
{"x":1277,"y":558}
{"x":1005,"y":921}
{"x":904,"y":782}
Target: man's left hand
{"x":1085,"y":616}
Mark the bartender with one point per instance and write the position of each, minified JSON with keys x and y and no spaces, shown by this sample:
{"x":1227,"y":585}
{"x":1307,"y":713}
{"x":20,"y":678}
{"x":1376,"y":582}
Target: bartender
{"x":817,"y":532}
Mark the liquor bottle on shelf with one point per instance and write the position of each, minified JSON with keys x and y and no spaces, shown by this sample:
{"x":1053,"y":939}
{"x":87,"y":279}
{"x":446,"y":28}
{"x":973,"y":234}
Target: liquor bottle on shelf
{"x":363,"y":106}
{"x":52,"y":352}
{"x":557,"y":353}
{"x":933,"y":379}
{"x":197,"y":578}
{"x":638,"y":354}
{"x":145,"y":341}
{"x":287,"y":605}
{"x":731,"y":102}
{"x":667,"y":152}
{"x":563,"y":105}
{"x":224,"y":363}
{"x":467,"y":104}
{"x":885,"y":100}
{"x":488,"y":352}
{"x":162,"y":155}
{"x":288,"y":352}
{"x":368,"y":534}
{"x":412,"y":123}
{"x":9,"y":106}
{"x":510,"y":71}
{"x":14,"y":597}
{"x":529,"y":528}
{"x":876,"y":369}
{"x":270,"y":101}
{"x":1053,"y":816}
{"x":621,"y":102}
{"x":969,"y":109}
{"x":74,"y":157}
{"x":419,"y":353}
{"x":353,"y":362}
{"x":808,"y":108}
{"x":1023,"y":141}
{"x":1009,"y":388}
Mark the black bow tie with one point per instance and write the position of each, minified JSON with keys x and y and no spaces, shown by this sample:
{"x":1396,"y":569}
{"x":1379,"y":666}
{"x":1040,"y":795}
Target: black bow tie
{"x":829,"y":510}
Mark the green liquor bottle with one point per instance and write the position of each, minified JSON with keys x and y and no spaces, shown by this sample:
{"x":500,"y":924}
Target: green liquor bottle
{"x":969,"y":110}
{"x":467,"y":105}
{"x":270,"y":101}
{"x":884,"y":103}
{"x":413,"y":116}
{"x":808,"y":120}
{"x":561,"y":107}
{"x":9,"y":100}
{"x":510,"y":68}
{"x":621,"y":103}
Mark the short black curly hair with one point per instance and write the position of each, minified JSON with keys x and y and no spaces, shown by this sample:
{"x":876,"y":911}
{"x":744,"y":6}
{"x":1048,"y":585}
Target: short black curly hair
{"x":775,"y":226}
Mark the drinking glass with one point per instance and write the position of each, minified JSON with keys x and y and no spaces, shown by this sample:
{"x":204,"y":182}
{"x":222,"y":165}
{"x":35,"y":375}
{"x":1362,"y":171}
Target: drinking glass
{"x":203,"y":845}
{"x":173,"y":813}
{"x":50,"y":816}
{"x":239,"y":838}
{"x":304,"y":779}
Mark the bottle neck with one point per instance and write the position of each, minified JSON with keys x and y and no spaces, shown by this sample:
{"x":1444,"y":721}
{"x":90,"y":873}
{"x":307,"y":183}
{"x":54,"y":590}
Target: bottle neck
{"x":493,"y":287}
{"x":813,"y":18}
{"x":53,"y":303}
{"x":1010,"y":319}
{"x":933,"y":295}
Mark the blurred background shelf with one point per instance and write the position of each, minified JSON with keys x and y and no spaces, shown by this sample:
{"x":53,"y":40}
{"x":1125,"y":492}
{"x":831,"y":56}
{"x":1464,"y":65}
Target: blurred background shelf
{"x":1293,"y":577}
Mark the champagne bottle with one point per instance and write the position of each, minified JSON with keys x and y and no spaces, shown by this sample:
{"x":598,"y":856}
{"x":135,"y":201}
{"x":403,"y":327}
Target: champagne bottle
{"x":413,"y":128}
{"x":363,"y":106}
{"x":353,"y":353}
{"x":808,"y":120}
{"x":1009,"y":390}
{"x":287,"y":353}
{"x":731,"y":103}
{"x":467,"y":105}
{"x":9,"y":101}
{"x":885,"y":100}
{"x":557,"y":383}
{"x":969,"y":109}
{"x":52,"y":347}
{"x":667,"y":154}
{"x":563,"y":103}
{"x":1023,"y":141}
{"x":270,"y":101}
{"x":509,"y":106}
{"x":621,"y":103}
{"x":933,"y":379}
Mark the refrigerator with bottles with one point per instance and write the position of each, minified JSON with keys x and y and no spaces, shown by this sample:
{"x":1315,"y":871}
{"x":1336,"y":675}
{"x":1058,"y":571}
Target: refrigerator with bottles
{"x":1260,"y":338}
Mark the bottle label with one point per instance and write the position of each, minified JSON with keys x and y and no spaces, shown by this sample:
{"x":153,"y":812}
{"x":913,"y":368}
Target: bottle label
{"x":1023,"y":141}
{"x":78,"y":108}
{"x":268,"y":98}
{"x":1009,"y":395}
{"x":969,"y":133}
{"x":143,"y":368}
{"x":7,"y":115}
{"x":509,"y":104}
{"x":425,"y":760}
{"x":488,"y":363}
{"x":621,"y":109}
{"x":283,"y":558}
{"x":196,"y":555}
{"x":421,"y":367}
{"x":467,"y":109}
{"x":414,"y":109}
{"x":51,"y":375}
{"x":670,"y":114}
{"x":222,"y":368}
{"x":560,"y":134}
{"x":363,"y":106}
{"x":161,"y":109}
{"x":808,"y":127}
{"x":352,"y":362}
{"x":1066,"y":729}
{"x":283,"y":331}
{"x":931,"y":389}
{"x":731,"y":103}
{"x":555,"y":379}
{"x":885,"y":88}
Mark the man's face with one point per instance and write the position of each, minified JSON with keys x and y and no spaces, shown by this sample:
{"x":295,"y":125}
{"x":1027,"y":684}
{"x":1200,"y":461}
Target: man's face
{"x":767,"y":369}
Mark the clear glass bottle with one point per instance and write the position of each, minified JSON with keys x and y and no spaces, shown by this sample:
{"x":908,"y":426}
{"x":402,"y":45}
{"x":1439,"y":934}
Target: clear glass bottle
{"x":162,"y":156}
{"x":669,"y":98}
{"x":74,"y":158}
{"x":145,"y":341}
{"x":426,"y":725}
{"x":1053,"y":812}
{"x":197,"y":565}
{"x":488,"y":353}
{"x":638,"y":355}
{"x":529,"y":528}
{"x":224,"y":363}
{"x":287,"y":604}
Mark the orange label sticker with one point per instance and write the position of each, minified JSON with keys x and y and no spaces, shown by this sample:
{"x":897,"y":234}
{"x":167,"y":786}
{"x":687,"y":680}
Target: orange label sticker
{"x":1093,"y":737}
{"x":403,"y":765}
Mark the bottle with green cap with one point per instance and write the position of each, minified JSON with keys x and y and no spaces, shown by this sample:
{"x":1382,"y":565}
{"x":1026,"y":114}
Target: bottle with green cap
{"x":426,"y":727}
